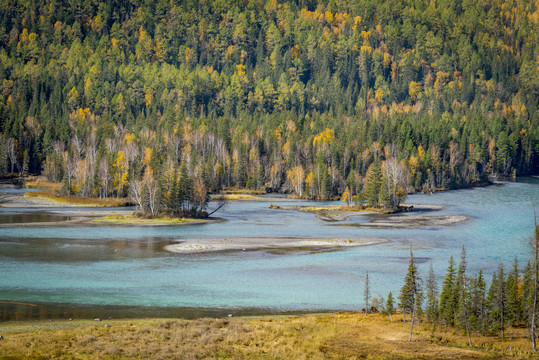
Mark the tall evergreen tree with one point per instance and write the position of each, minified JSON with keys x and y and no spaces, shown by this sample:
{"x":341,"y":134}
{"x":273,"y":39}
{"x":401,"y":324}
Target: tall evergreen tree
{"x":390,"y":306}
{"x":478,"y":303}
{"x":448,"y":298}
{"x":432,"y":298}
{"x":514,"y":312}
{"x":498,"y":300}
{"x":462,"y":293}
{"x":410,"y":295}
{"x":373,"y":184}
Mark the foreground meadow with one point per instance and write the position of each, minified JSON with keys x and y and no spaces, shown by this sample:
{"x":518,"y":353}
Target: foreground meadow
{"x":334,"y":336}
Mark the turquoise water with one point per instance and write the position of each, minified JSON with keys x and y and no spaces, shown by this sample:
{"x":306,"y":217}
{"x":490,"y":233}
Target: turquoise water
{"x":127,"y":266}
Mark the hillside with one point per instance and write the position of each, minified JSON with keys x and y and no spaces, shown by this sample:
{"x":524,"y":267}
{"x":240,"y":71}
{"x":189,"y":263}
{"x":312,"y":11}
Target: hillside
{"x":297,"y":96}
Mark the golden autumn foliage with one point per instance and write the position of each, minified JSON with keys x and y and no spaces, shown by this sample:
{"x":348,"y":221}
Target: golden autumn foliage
{"x":325,"y":137}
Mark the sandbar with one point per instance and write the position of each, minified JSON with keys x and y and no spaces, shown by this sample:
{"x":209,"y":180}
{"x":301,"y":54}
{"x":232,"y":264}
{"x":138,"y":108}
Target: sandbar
{"x":204,"y":245}
{"x":412,"y":221}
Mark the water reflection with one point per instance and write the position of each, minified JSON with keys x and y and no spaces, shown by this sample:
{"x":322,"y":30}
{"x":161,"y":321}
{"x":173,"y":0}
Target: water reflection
{"x":30,"y":217}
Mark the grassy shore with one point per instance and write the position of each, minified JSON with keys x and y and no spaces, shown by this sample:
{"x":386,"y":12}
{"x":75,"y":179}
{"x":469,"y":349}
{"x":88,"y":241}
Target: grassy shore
{"x":337,"y":336}
{"x":49,"y":195}
{"x":41,"y":182}
{"x":135,"y":220}
{"x":242,"y":191}
{"x":234,"y":197}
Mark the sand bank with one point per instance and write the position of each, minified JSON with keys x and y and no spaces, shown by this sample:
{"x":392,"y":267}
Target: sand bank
{"x":413,"y":221}
{"x":191,"y":246}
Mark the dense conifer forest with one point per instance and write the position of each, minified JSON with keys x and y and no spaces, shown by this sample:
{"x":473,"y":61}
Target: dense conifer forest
{"x":168,"y":101}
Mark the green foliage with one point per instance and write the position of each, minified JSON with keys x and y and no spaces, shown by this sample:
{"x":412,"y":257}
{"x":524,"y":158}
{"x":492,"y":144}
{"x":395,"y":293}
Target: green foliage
{"x":411,"y":293}
{"x":452,"y":92}
{"x":449,"y":296}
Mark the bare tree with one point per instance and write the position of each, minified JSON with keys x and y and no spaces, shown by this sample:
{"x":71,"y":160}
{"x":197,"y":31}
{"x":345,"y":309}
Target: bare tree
{"x":153,"y":195}
{"x":11,"y":151}
{"x":366,"y":293}
{"x":78,"y":147}
{"x":69,"y":167}
{"x":397,"y":180}
{"x":136,"y":193}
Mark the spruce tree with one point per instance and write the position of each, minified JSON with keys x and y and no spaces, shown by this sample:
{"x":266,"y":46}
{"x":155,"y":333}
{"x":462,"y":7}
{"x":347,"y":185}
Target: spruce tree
{"x":498,"y":301}
{"x":373,"y":184}
{"x":390,"y":306}
{"x":432,"y":298}
{"x":513,"y":295}
{"x":526,"y":301}
{"x":448,"y":304}
{"x":410,"y":295}
{"x":478,"y":301}
{"x":462,"y":293}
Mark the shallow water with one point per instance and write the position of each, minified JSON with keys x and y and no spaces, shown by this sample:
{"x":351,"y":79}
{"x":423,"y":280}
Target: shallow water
{"x":126,"y":267}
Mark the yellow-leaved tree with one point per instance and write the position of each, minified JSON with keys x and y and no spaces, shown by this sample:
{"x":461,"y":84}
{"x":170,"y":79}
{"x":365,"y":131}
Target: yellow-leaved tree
{"x":122,"y":171}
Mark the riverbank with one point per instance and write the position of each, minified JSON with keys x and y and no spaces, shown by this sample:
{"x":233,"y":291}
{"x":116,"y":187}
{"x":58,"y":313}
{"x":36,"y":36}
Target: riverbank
{"x":105,"y":216}
{"x":203,"y":245}
{"x":319,"y":336}
{"x":411,"y":215}
{"x":341,"y":212}
{"x":109,"y":218}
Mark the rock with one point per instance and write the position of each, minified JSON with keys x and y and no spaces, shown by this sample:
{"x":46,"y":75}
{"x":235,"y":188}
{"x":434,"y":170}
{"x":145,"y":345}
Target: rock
{"x":97,"y":319}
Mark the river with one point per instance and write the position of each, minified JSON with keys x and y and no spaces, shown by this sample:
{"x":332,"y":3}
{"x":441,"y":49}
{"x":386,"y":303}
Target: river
{"x":49,"y":272}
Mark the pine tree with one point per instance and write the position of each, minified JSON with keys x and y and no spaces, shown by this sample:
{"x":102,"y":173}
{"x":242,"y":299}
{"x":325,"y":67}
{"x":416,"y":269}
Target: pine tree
{"x":526,"y":301}
{"x":185,"y":191}
{"x":373,"y":184}
{"x":410,"y":296}
{"x":448,"y":299}
{"x":432,"y":298}
{"x":513,"y":295}
{"x":390,"y":306}
{"x":478,"y":303}
{"x":498,"y":300}
{"x":462,"y":293}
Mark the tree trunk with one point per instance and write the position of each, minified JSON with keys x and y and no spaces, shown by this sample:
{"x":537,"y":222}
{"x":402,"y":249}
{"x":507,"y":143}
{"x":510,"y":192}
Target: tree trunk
{"x":413,"y":317}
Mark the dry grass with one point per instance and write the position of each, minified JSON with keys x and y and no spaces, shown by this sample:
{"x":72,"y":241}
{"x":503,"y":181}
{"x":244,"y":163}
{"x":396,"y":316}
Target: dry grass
{"x":41,"y":182}
{"x":134,"y":220}
{"x":239,"y":191}
{"x":340,"y":336}
{"x":351,"y":208}
{"x":50,"y":196}
{"x":232,"y":197}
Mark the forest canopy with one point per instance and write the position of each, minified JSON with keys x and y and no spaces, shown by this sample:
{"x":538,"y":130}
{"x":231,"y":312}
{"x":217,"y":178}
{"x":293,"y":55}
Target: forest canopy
{"x":309,"y":97}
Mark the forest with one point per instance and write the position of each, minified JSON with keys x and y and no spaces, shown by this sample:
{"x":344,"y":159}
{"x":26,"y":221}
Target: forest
{"x":166,"y":102}
{"x":466,"y":303}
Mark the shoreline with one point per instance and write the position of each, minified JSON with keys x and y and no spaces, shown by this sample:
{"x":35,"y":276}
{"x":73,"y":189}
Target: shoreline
{"x":409,"y":219}
{"x":85,"y":214}
{"x":24,"y":311}
{"x":207,"y":245}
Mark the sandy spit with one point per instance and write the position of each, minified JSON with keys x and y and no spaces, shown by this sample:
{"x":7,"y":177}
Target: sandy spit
{"x":192,"y":246}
